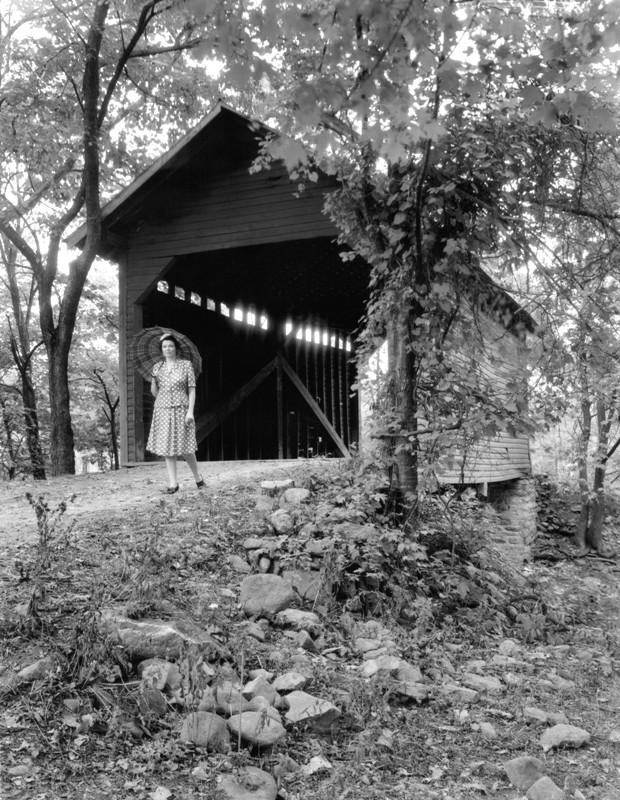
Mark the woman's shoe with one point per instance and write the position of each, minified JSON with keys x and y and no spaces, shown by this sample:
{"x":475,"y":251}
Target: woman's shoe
{"x":172,"y":489}
{"x":200,"y":484}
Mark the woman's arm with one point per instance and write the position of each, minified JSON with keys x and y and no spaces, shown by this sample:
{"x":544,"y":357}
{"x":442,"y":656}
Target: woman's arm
{"x":191,"y":401}
{"x":154,"y":386}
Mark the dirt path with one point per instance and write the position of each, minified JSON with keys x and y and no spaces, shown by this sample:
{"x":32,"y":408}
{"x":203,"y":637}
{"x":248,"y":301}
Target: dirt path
{"x":131,"y":489}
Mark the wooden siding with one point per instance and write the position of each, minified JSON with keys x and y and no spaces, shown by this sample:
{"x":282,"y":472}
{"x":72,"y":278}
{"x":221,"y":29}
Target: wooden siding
{"x":232,"y":210}
{"x":498,"y":357}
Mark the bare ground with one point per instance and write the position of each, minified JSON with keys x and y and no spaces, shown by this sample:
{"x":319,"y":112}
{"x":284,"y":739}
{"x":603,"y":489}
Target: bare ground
{"x":129,"y":490}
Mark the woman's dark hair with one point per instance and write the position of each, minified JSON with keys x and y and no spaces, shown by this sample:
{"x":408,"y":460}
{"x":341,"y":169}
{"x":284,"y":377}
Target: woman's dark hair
{"x":168,"y":337}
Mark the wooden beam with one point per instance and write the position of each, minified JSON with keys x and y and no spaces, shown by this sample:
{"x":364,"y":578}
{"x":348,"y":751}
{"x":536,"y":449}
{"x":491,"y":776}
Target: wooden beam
{"x":303,"y":391}
{"x":280,"y":406}
{"x":208,"y":422}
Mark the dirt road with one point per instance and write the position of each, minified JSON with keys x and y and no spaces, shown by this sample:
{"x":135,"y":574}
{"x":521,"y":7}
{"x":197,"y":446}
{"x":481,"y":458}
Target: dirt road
{"x":131,"y":489}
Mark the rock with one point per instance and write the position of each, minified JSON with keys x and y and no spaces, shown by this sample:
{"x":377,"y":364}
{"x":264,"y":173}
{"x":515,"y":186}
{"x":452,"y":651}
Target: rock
{"x":366,"y":645}
{"x":461,"y":693}
{"x":239,"y":565}
{"x":316,"y":764}
{"x":282,"y":522}
{"x":386,"y":664}
{"x":545,"y":789}
{"x":154,"y":672}
{"x":265,"y":595}
{"x":273,"y":488}
{"x":264,"y":564}
{"x":488,"y":731}
{"x":206,"y":730}
{"x":263,"y":544}
{"x":257,"y":728}
{"x":289,"y":682}
{"x":249,"y":783}
{"x":299,"y":620}
{"x":413,"y":691}
{"x":295,"y":496}
{"x":524,"y":771}
{"x":151,"y":702}
{"x":229,"y":699}
{"x":144,"y":639}
{"x":563,"y":736}
{"x":36,"y":671}
{"x":304,"y":708}
{"x":259,"y":687}
{"x":533,"y":714}
{"x":262,"y":704}
{"x":259,"y":672}
{"x":408,"y":673}
{"x":318,"y":547}
{"x":509,"y":647}
{"x":483,"y":683}
{"x":255,"y":631}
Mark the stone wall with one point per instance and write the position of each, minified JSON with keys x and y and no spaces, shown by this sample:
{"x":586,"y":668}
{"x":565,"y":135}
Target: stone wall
{"x":515,"y":503}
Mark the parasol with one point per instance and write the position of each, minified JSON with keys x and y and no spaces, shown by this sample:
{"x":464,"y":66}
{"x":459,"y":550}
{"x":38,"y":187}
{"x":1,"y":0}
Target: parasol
{"x":144,"y":350}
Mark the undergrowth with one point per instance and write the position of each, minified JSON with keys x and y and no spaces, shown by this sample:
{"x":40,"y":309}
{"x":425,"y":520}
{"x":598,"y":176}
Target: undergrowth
{"x":442,"y":584}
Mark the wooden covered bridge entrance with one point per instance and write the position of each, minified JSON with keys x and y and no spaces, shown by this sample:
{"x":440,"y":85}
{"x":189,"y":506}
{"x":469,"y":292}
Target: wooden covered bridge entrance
{"x":249,"y":268}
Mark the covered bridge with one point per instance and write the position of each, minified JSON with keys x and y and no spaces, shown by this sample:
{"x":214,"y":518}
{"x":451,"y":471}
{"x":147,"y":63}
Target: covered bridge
{"x":250,"y":269}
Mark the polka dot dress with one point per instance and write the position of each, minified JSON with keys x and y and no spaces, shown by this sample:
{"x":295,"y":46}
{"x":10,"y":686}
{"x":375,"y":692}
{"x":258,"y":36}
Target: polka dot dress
{"x":170,"y":435}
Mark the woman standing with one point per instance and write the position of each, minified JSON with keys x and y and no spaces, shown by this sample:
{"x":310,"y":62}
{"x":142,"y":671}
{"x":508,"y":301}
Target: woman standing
{"x":173,"y":430}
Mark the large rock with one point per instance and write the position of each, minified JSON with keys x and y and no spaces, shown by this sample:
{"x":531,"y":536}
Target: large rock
{"x":257,"y":728}
{"x":265,"y":595}
{"x":150,"y":638}
{"x":206,"y":730}
{"x":249,"y":783}
{"x":304,"y":708}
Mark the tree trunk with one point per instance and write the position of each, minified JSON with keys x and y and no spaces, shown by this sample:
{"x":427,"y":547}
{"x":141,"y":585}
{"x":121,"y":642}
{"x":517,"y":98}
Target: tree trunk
{"x":405,"y":453}
{"x":33,"y":434}
{"x":582,"y":464}
{"x":62,"y":454}
{"x":594,"y":534}
{"x":8,"y":432}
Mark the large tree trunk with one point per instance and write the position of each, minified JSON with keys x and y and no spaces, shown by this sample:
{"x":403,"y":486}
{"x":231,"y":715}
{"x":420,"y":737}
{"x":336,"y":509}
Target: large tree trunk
{"x":62,"y":454}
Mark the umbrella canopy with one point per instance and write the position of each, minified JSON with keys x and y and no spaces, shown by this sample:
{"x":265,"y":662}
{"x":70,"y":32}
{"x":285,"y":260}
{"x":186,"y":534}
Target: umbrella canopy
{"x":144,"y":350}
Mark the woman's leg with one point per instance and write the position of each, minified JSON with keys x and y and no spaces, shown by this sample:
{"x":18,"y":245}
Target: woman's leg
{"x":193,"y":465}
{"x":171,"y":466}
